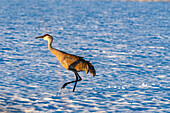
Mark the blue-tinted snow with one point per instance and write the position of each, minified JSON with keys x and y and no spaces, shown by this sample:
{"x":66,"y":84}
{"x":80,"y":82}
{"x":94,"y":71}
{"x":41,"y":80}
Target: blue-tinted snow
{"x":127,"y":42}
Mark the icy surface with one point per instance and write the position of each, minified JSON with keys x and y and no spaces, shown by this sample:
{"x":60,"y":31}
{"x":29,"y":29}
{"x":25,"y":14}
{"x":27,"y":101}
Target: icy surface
{"x":127,"y":42}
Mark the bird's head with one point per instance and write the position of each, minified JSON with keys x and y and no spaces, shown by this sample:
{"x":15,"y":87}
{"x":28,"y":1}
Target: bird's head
{"x":46,"y":37}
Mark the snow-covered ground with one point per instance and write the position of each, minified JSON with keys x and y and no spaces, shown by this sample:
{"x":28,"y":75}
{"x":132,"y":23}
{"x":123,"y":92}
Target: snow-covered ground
{"x":127,"y":42}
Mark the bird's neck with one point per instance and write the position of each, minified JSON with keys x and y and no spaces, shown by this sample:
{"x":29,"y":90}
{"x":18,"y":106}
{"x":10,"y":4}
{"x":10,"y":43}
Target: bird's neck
{"x":50,"y":44}
{"x":56,"y":52}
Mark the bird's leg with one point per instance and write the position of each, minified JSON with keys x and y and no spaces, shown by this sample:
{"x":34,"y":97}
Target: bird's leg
{"x":78,"y":78}
{"x":75,"y":81}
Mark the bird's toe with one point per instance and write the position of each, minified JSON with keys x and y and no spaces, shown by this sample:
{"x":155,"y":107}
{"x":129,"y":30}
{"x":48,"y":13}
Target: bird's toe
{"x":64,"y":86}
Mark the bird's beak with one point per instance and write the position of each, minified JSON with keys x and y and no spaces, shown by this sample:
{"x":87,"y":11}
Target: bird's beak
{"x":39,"y":37}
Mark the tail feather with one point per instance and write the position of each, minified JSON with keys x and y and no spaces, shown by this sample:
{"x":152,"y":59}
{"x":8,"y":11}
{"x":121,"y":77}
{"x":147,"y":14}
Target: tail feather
{"x":90,"y":68}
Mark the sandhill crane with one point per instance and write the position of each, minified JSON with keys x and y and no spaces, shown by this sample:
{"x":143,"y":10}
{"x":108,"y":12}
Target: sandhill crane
{"x":70,"y":62}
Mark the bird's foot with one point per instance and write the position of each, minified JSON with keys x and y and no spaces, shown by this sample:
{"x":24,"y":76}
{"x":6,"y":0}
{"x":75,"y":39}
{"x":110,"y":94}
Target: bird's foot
{"x":64,"y":86}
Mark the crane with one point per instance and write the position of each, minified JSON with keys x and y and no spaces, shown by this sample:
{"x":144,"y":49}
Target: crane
{"x":69,"y":61}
